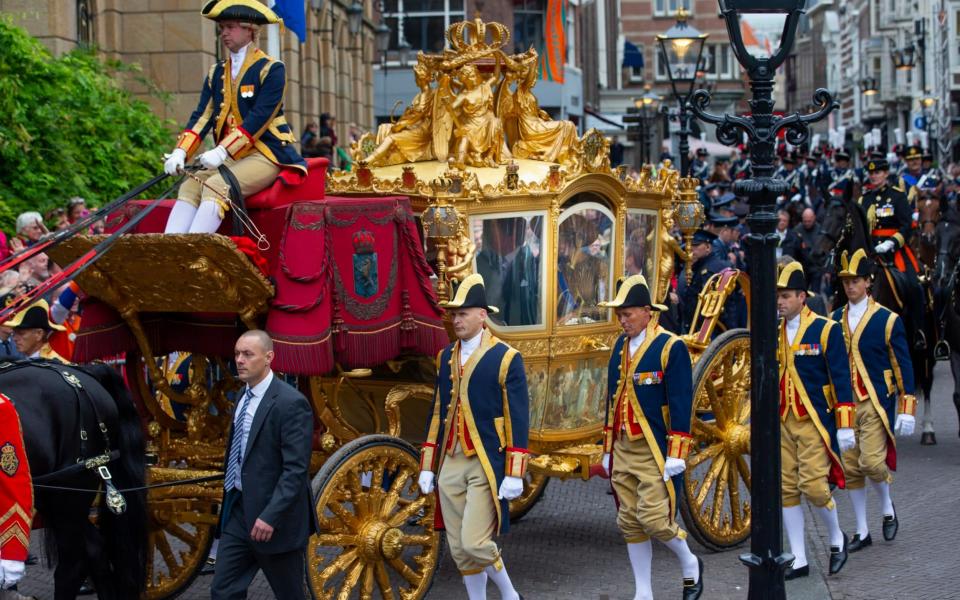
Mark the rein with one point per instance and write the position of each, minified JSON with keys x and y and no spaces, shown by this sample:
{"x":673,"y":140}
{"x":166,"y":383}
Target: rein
{"x":141,"y":488}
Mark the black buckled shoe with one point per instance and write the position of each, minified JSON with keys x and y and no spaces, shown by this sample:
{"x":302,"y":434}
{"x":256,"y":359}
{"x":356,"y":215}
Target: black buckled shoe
{"x":795,"y":573}
{"x":838,"y":556}
{"x":691,"y":590}
{"x":858,"y":543}
{"x":209,"y":566}
{"x":890,"y":525}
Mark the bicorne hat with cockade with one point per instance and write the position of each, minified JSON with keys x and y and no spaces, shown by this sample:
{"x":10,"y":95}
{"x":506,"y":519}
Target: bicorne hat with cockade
{"x":632,"y":292}
{"x":792,"y":278}
{"x":471,"y":294}
{"x":37,"y":316}
{"x":857,"y":265}
{"x":247,"y":11}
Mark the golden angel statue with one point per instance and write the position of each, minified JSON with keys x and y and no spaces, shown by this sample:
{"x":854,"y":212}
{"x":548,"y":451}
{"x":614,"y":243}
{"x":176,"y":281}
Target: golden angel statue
{"x":410,"y":139}
{"x":669,"y":249}
{"x":469,"y":120}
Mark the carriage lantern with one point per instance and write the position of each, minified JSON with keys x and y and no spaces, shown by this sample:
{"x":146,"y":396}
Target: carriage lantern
{"x":441,"y":222}
{"x":688,"y":214}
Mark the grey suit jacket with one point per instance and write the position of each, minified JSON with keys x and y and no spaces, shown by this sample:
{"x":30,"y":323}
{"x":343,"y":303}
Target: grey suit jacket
{"x":274,"y":473}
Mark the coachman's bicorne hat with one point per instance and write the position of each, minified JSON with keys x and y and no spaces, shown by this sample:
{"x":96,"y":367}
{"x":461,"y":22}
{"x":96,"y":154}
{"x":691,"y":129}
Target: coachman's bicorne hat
{"x":247,"y":11}
{"x":792,"y":278}
{"x":471,"y":294}
{"x":632,"y":292}
{"x":857,"y":265}
{"x":37,"y":316}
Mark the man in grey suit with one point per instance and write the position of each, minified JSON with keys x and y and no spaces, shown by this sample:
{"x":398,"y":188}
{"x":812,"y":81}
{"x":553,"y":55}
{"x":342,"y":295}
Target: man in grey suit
{"x":268,"y":512}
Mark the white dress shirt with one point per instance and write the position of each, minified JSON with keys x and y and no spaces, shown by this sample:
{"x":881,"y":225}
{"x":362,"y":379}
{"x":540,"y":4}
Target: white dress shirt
{"x":636,"y":341}
{"x":236,"y":61}
{"x":258,"y":391}
{"x":793,"y":326}
{"x":855,"y":312}
{"x":468,"y":346}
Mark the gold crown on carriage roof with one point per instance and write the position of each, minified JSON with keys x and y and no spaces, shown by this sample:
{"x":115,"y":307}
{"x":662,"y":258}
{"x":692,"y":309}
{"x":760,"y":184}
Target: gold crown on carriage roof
{"x":471,"y":36}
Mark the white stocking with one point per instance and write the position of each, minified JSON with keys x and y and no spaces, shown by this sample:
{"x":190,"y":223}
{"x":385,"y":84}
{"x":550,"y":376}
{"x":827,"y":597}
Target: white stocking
{"x":207,"y":219}
{"x":502,"y":581}
{"x":883,"y":490}
{"x":181,"y":215}
{"x":689,"y":565}
{"x":859,"y":500}
{"x":793,"y":523}
{"x":830,"y":520}
{"x":476,"y":586}
{"x":641,"y":558}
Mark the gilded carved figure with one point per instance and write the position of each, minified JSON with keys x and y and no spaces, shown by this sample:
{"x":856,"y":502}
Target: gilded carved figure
{"x":410,"y":139}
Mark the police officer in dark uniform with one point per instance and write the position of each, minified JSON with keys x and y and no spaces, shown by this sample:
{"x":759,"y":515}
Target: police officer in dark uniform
{"x":705,"y":264}
{"x":725,"y":227}
{"x":699,"y":167}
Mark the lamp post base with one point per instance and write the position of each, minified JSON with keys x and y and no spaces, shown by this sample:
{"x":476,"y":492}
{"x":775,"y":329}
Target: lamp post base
{"x":769,"y":573}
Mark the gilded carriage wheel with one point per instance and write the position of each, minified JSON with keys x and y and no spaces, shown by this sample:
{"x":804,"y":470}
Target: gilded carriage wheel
{"x":534,"y":485}
{"x":377,"y":531}
{"x":715,"y":502}
{"x":180,"y":535}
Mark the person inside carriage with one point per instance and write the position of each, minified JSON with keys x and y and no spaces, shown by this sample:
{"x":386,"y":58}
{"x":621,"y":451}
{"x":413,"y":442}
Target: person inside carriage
{"x":890,"y":220}
{"x":241,"y":103}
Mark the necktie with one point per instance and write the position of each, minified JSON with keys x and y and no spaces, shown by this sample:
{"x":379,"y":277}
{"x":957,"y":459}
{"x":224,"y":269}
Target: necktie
{"x":232,"y":478}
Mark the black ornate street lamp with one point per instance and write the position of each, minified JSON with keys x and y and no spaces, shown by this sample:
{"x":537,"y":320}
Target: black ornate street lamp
{"x":681,"y":50}
{"x":904,"y":59}
{"x":869,"y":86}
{"x":766,"y":560}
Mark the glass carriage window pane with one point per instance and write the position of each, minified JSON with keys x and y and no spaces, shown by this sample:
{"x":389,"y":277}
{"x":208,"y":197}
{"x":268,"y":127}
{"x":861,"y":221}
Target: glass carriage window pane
{"x":572,"y":396}
{"x":509,"y":258}
{"x":584,"y":263}
{"x":640,"y":246}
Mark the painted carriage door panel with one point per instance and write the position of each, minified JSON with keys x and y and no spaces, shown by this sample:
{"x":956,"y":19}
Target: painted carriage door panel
{"x":585,"y":256}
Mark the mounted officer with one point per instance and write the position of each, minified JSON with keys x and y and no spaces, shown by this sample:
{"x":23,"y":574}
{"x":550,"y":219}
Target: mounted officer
{"x":883,"y":388}
{"x":890,"y":220}
{"x":647,"y":434}
{"x":477,"y":440}
{"x":241,"y":103}
{"x":816,"y":417}
{"x":699,"y":167}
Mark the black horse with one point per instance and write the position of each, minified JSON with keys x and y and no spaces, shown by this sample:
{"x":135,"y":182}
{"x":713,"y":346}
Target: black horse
{"x":58,"y":406}
{"x":948,"y":306}
{"x":845,"y":228}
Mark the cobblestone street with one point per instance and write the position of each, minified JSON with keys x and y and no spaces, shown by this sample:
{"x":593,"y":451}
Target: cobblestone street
{"x":568,"y":547}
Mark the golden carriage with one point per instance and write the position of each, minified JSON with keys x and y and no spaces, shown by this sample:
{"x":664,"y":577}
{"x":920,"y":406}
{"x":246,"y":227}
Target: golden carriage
{"x":501,"y":190}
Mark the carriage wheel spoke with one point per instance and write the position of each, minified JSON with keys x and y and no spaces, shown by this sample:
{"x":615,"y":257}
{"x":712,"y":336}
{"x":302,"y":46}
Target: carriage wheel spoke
{"x":341,"y":563}
{"x":708,"y":480}
{"x":744,"y":469}
{"x":719,"y":496}
{"x":405,"y":571}
{"x":399,"y":518}
{"x":191,"y":539}
{"x":704,"y":430}
{"x":383,"y":581}
{"x":714,"y":402}
{"x":346,"y":517}
{"x":393,"y":496}
{"x":736,"y":509}
{"x":350,"y":581}
{"x":166,"y":552}
{"x":703,"y":455}
{"x":366,"y":591}
{"x":420,"y":539}
{"x":334,"y":539}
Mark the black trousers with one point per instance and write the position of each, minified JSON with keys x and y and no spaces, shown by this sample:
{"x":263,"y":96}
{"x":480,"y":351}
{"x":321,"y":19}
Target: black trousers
{"x":238,"y":562}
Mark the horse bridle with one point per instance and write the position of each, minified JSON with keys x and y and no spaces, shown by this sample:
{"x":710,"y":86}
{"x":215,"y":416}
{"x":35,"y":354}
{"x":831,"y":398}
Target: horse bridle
{"x":98,"y":463}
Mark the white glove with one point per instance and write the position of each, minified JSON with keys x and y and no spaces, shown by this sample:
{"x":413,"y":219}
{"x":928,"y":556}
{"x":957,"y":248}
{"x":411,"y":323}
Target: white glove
{"x":904,"y":424}
{"x":211,"y":159}
{"x":511,"y":488}
{"x":607,"y":463}
{"x":425,"y":482}
{"x":846,"y":439}
{"x":174,"y":163}
{"x":673,"y":466}
{"x":11,"y":571}
{"x":885,"y":246}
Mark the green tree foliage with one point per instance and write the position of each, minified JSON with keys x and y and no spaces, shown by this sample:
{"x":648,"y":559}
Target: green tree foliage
{"x":68,"y":128}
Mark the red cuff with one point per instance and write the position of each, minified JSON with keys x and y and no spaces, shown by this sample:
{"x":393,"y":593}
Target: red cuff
{"x":678,"y":444}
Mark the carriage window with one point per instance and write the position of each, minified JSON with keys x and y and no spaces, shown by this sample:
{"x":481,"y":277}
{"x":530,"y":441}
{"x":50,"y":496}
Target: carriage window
{"x":640,"y":246}
{"x":509,"y":258}
{"x":584,"y":263}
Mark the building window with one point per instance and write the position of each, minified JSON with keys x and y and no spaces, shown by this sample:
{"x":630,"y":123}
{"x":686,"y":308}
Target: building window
{"x":664,"y":8}
{"x":422,"y":24}
{"x":85,"y":32}
{"x":718,"y":62}
{"x":529,"y":24}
